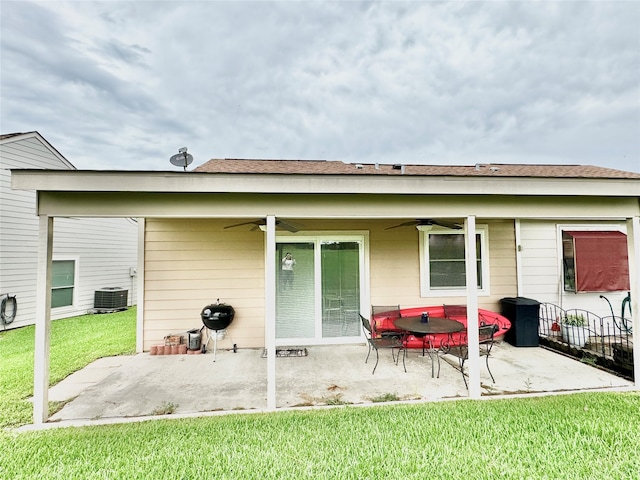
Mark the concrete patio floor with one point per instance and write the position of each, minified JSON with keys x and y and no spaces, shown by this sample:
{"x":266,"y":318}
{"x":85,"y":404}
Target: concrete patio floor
{"x":120,"y":388}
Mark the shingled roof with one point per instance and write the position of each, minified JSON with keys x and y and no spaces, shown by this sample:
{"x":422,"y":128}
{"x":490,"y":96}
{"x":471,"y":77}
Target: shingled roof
{"x":326,"y":167}
{"x":4,"y":136}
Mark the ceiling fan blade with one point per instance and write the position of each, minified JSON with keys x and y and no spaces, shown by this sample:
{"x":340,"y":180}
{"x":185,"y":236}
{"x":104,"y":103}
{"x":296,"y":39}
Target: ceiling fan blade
{"x":252,"y":222}
{"x":288,"y":227}
{"x":451,"y":225}
{"x":405,"y":224}
{"x":427,"y":221}
{"x":259,"y":223}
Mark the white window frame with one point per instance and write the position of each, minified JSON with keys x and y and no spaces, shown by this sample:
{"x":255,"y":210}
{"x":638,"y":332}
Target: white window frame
{"x":579,"y":227}
{"x":425,"y":286}
{"x":317,"y":237}
{"x":76,"y":270}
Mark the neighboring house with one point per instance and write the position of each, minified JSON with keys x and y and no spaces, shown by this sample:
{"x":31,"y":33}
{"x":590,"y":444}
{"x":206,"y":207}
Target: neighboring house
{"x":89,"y":254}
{"x":360,"y":235}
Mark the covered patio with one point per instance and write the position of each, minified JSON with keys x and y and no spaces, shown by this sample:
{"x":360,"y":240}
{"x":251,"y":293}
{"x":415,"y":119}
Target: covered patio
{"x":137,"y":387}
{"x":189,"y":256}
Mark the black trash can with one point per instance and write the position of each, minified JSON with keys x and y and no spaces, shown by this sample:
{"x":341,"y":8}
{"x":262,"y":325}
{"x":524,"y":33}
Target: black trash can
{"x":523,"y":314}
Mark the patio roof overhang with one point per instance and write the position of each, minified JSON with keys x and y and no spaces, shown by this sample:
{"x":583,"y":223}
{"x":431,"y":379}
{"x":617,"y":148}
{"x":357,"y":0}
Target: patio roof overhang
{"x":314,"y":205}
{"x":201,"y":182}
{"x":206,"y":195}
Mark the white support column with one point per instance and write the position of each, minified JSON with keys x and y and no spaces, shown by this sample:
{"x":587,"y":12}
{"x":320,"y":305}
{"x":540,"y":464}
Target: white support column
{"x":43,"y":322}
{"x":633,"y":248}
{"x":472,"y":307}
{"x":270,"y":310}
{"x":140,"y":288}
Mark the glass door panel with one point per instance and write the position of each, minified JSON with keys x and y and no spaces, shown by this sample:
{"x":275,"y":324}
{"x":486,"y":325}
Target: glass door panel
{"x":295,"y":298}
{"x":340,"y":274}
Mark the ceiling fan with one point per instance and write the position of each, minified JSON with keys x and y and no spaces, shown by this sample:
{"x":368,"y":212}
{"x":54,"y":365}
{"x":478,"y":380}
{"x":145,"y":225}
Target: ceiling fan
{"x":261,"y":223}
{"x":428,"y":221}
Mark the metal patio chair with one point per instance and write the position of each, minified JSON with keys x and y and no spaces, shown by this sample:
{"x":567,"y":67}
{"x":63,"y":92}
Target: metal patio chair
{"x":486,"y":340}
{"x":383,"y":316}
{"x":377,"y":342}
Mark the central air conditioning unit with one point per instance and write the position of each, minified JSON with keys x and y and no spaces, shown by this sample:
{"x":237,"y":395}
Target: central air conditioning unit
{"x":110,"y":298}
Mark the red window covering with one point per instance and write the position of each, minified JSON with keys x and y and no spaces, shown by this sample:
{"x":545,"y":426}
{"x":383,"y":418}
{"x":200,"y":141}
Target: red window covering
{"x":601,"y":261}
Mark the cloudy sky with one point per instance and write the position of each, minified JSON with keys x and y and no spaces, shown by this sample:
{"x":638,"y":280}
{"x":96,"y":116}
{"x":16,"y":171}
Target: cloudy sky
{"x":124,"y":85}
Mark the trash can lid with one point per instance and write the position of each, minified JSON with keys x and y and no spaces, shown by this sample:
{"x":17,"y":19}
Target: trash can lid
{"x":520,"y":301}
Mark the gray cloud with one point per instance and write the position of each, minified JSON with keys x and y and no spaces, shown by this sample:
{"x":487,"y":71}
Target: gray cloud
{"x":124,"y":84}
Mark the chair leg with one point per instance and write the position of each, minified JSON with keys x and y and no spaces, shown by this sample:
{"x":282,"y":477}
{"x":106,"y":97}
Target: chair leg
{"x":376,"y":365}
{"x":461,"y":360}
{"x":368,"y":353}
{"x":489,"y":370}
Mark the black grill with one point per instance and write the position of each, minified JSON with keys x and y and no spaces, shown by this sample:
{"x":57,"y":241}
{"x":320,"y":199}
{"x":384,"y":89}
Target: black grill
{"x":217,"y":316}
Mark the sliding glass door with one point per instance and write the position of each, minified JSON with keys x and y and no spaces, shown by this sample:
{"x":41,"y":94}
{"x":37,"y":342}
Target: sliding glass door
{"x":319,"y":288}
{"x":295,"y":291}
{"x":340,"y":272}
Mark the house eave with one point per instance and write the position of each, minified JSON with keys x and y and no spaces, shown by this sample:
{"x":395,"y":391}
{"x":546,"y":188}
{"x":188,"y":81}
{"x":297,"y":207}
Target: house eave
{"x":197,"y":182}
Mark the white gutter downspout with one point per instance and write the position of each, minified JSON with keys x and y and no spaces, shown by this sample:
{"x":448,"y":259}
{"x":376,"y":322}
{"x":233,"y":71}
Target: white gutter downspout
{"x":472,"y":307}
{"x":519,"y":284}
{"x":43,"y":322}
{"x":633,"y":251}
{"x":270,"y":310}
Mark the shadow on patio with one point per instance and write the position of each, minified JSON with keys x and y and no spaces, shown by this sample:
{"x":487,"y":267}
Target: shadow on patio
{"x":145,"y":385}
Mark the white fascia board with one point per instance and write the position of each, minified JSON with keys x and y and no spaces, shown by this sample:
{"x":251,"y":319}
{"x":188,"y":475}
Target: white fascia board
{"x":178,"y":182}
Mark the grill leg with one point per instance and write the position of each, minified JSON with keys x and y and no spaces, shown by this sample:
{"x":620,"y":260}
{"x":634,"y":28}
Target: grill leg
{"x":215,"y":344}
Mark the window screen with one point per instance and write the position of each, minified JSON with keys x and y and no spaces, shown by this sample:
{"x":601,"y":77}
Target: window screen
{"x":595,"y":261}
{"x":447,"y":261}
{"x":62,"y":283}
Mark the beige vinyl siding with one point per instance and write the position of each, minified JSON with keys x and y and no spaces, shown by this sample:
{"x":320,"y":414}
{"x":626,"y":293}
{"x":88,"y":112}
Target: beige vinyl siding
{"x":190,"y":264}
{"x":395,"y":267}
{"x":502,"y":263}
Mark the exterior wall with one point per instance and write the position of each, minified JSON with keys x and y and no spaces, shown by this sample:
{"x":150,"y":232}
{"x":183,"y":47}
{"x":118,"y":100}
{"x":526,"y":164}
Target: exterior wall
{"x":542,"y":272}
{"x":104,"y":248}
{"x":395,"y":267}
{"x":189,"y":263}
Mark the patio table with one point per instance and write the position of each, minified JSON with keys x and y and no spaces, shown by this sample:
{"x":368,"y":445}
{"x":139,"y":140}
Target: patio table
{"x":435,"y":325}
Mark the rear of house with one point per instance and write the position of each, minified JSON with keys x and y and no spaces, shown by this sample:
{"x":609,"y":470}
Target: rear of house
{"x":301,"y":248}
{"x":352,"y":252}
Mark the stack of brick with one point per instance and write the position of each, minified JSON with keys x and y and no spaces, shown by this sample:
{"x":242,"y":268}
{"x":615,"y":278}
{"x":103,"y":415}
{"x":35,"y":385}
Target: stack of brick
{"x":173,"y":345}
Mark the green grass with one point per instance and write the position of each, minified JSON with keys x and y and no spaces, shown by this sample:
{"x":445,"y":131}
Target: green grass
{"x":75,"y":342}
{"x":580,"y":436}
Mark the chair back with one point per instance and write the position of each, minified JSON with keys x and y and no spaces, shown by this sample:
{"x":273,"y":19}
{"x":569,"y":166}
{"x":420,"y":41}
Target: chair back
{"x":486,"y":333}
{"x":455,"y":311}
{"x":391,"y":312}
{"x":366,"y":326}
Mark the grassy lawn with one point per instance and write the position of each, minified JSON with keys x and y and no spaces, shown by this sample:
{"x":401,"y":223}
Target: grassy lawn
{"x":75,"y":342}
{"x":582,"y":436}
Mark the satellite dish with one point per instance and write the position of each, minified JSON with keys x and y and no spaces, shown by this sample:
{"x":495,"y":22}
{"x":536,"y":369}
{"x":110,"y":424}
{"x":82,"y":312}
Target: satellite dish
{"x":182,"y":158}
